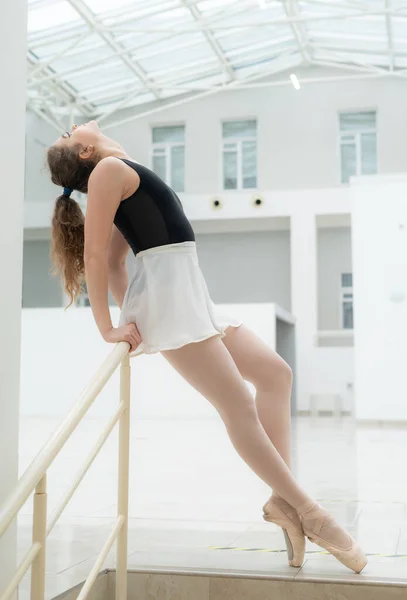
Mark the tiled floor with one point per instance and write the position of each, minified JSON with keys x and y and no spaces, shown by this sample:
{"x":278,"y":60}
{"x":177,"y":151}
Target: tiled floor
{"x":195,"y":504}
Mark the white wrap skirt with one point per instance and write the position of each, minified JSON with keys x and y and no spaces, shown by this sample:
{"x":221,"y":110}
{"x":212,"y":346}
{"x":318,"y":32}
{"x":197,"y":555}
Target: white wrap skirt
{"x":168,"y":299}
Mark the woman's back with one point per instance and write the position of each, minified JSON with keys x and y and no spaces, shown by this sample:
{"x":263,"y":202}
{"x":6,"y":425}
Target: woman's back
{"x":153,"y":215}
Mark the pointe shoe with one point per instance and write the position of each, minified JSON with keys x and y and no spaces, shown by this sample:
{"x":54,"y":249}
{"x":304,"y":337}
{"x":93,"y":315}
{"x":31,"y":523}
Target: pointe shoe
{"x":352,"y":557}
{"x":278,"y":511}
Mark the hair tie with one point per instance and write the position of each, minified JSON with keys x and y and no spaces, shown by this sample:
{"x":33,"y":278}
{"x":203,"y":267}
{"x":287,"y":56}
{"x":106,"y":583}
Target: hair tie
{"x":67,"y":191}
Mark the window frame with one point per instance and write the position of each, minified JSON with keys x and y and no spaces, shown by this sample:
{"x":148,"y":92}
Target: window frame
{"x":357,"y":141}
{"x":167,"y":147}
{"x":82,"y":301}
{"x":239,"y":151}
{"x":344,"y":291}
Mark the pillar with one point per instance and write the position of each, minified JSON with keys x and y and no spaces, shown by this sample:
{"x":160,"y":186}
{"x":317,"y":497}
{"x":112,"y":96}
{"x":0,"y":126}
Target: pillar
{"x":13,"y":34}
{"x":379,"y":249}
{"x":304,"y":301}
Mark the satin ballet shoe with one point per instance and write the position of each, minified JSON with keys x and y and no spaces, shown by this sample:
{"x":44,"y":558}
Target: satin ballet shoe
{"x":352,"y":556}
{"x":278,"y":511}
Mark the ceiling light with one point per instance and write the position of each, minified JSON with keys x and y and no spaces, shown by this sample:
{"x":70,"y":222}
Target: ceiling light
{"x":295,"y":81}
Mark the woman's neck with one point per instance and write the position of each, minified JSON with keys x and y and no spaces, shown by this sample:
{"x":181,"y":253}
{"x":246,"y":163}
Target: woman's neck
{"x":112,"y":148}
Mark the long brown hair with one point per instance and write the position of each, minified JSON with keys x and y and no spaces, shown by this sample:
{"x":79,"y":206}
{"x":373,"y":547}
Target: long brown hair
{"x":68,"y":170}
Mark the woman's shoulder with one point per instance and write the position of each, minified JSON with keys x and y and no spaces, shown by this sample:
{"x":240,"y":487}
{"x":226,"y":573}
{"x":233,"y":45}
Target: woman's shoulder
{"x":111,"y":170}
{"x":109,"y":164}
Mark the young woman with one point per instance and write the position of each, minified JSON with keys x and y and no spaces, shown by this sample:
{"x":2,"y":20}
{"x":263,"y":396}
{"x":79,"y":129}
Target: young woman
{"x":165,"y":307}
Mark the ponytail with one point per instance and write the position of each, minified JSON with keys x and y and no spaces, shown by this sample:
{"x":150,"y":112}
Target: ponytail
{"x":68,"y":222}
{"x":67,"y":249}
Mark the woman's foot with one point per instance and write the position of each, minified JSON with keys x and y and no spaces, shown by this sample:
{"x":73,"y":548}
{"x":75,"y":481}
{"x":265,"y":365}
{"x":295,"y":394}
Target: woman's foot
{"x":322,"y":529}
{"x":278,"y":511}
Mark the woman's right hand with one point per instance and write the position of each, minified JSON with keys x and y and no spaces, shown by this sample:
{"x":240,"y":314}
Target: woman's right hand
{"x":126,"y":333}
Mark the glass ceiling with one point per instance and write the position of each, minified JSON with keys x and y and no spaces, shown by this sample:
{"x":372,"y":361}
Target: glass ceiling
{"x":95,"y":57}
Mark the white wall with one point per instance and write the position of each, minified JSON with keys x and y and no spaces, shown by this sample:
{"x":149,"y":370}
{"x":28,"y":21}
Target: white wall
{"x":303,"y":302}
{"x":297,"y":131}
{"x":62,"y":350}
{"x":297,"y":137}
{"x":247,"y":266}
{"x":298,"y":175}
{"x":39,"y":188}
{"x":334,"y":252}
{"x":379,"y":238}
{"x":333,"y":372}
{"x":13,"y":63}
{"x":40,"y":288}
{"x":301,"y":207}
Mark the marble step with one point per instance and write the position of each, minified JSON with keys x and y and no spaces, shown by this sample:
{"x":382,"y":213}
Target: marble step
{"x":203,"y":584}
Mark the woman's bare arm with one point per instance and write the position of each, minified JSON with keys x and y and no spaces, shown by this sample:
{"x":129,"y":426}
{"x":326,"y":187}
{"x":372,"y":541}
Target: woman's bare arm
{"x":106,"y":188}
{"x":117,"y":269}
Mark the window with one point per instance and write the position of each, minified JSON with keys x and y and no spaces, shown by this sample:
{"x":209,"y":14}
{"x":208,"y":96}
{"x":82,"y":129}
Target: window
{"x":358,"y":144}
{"x":168,"y":159}
{"x":83,"y":298}
{"x":239,"y":155}
{"x":346,"y":301}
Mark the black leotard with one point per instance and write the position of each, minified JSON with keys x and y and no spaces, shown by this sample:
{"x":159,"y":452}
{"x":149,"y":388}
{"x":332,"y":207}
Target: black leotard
{"x":153,"y":215}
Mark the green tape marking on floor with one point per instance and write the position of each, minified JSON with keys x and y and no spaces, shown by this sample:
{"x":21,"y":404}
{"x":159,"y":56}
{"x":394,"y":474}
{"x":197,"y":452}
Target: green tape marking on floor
{"x":271,"y":550}
{"x":358,"y":501}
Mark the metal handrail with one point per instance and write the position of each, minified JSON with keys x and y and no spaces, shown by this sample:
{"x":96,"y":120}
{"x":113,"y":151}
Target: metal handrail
{"x":34,"y":478}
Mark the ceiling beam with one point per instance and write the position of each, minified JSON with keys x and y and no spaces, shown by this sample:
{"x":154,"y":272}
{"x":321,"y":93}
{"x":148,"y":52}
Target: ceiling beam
{"x":254,"y":51}
{"x":349,"y":37}
{"x":241,"y":27}
{"x":356,"y":5}
{"x":214,"y":44}
{"x":144,"y":51}
{"x":47,"y":35}
{"x":350,"y":60}
{"x":41,"y":65}
{"x":389,"y":29}
{"x":126,"y":26}
{"x":59,"y":91}
{"x":169,"y":85}
{"x":140,"y":11}
{"x":334,"y":62}
{"x":354,"y":49}
{"x":86,"y":68}
{"x":291,"y":10}
{"x":43,"y":116}
{"x":361,"y":74}
{"x":34,"y":4}
{"x":131,"y":96}
{"x":62,"y":91}
{"x":193,"y":77}
{"x":305,"y":80}
{"x":216,"y":90}
{"x":107,"y":37}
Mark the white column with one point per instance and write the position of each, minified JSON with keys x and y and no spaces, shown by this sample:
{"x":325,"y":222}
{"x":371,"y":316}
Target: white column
{"x":304,"y":301}
{"x":379,"y":247}
{"x":13,"y":27}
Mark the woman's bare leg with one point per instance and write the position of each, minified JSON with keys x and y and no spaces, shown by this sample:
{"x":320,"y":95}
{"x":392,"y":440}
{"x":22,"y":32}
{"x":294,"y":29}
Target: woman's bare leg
{"x":272,"y":379}
{"x":210,"y":369}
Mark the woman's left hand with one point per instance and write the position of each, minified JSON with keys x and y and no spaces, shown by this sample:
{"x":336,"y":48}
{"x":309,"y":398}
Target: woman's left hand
{"x":126,"y":333}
